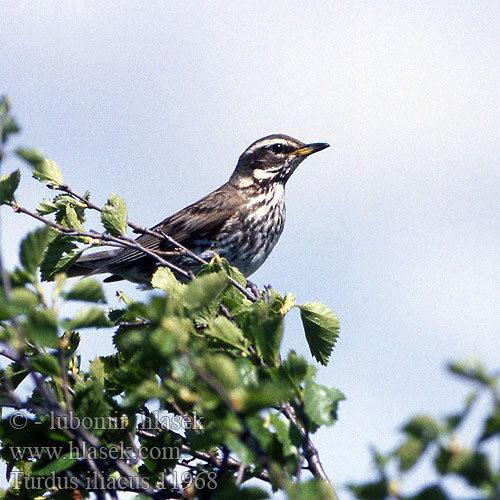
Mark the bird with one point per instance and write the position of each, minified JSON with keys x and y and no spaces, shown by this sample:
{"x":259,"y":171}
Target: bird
{"x":240,"y":221}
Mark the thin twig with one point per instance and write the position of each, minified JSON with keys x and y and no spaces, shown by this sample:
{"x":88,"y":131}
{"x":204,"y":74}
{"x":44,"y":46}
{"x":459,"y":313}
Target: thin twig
{"x":122,"y":241}
{"x":310,"y":452}
{"x":247,"y":434}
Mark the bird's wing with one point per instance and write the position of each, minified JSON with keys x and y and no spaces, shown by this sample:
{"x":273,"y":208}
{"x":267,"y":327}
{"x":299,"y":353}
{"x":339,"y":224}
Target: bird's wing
{"x":193,"y":222}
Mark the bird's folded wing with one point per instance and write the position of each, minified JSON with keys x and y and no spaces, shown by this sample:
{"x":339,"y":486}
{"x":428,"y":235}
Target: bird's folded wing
{"x":193,"y":222}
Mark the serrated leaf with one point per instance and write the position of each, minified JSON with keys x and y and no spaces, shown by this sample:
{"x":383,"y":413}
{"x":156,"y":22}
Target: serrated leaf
{"x":8,"y":186}
{"x":223,"y":329}
{"x":295,"y":368}
{"x":322,"y":329}
{"x":164,"y":279}
{"x":33,"y":248}
{"x":61,"y":254}
{"x":41,"y":328}
{"x":264,"y":328}
{"x":70,"y":211}
{"x":32,"y":156}
{"x":46,"y":365}
{"x":89,"y":317}
{"x":87,"y":290}
{"x":48,"y":172}
{"x":205,"y":292}
{"x":320,"y":403}
{"x":283,"y":433}
{"x":114,"y":216}
{"x":46,"y":207}
{"x":68,"y":217}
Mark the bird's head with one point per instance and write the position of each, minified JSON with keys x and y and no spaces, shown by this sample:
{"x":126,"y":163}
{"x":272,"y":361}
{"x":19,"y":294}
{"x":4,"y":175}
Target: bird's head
{"x":271,"y":159}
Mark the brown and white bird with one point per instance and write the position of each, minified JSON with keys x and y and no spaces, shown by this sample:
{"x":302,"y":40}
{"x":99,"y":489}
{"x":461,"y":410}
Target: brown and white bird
{"x":241,"y":221}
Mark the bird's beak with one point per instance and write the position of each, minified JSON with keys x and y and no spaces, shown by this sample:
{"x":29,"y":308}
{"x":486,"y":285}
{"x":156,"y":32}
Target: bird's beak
{"x":309,"y":149}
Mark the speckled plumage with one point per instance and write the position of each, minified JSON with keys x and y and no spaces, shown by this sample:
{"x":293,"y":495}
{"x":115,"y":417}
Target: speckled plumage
{"x":241,"y":221}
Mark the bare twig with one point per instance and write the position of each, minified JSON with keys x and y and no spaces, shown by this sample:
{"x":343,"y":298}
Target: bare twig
{"x":122,"y":240}
{"x":310,"y":452}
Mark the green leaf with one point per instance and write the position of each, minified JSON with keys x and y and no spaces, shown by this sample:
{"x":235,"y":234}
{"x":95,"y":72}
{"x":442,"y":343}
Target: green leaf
{"x":90,"y":398}
{"x":89,"y":317}
{"x":491,"y":426}
{"x":61,"y":254}
{"x":164,"y":279}
{"x":264,"y":328}
{"x":474,"y":467}
{"x":321,"y":403}
{"x":41,"y":328}
{"x":264,"y":395}
{"x":434,"y":492}
{"x":423,"y":427}
{"x":454,"y":420}
{"x":33,"y":248}
{"x":60,"y":464}
{"x":284,"y":434}
{"x":32,"y":156}
{"x":68,"y":217}
{"x":473,"y":370}
{"x":224,"y":368}
{"x":378,"y":490}
{"x":224,"y":330}
{"x":409,"y":452}
{"x":71,"y":211}
{"x":295,"y":369}
{"x":48,"y":172}
{"x":46,"y":207}
{"x":13,"y":375}
{"x":114,"y":216}
{"x":8,"y":125}
{"x":46,"y":365}
{"x":21,"y":301}
{"x":312,"y":489}
{"x":8,"y":186}
{"x":205,"y":292}
{"x":322,"y":329}
{"x":87,"y":290}
{"x":24,"y":299}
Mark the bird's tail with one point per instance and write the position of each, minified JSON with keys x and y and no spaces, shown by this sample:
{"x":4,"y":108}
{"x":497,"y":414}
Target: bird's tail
{"x":91,"y":264}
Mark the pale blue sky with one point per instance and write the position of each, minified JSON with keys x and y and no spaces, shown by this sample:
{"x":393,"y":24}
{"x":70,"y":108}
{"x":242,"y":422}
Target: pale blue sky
{"x":395,"y":227}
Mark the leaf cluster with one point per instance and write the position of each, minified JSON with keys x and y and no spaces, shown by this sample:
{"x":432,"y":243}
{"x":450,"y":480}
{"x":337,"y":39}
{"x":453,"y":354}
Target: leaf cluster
{"x":197,"y":401}
{"x":438,"y":441}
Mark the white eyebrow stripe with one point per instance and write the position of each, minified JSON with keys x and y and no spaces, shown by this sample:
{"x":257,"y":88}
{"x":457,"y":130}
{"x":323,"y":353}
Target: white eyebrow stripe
{"x":268,"y":142}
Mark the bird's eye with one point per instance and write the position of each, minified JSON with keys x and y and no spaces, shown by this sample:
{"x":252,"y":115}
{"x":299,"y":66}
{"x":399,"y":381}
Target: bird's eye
{"x":277,"y":148}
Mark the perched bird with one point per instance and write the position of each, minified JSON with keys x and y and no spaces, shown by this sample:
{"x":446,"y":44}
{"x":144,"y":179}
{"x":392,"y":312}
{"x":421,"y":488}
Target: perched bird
{"x":241,"y":221}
